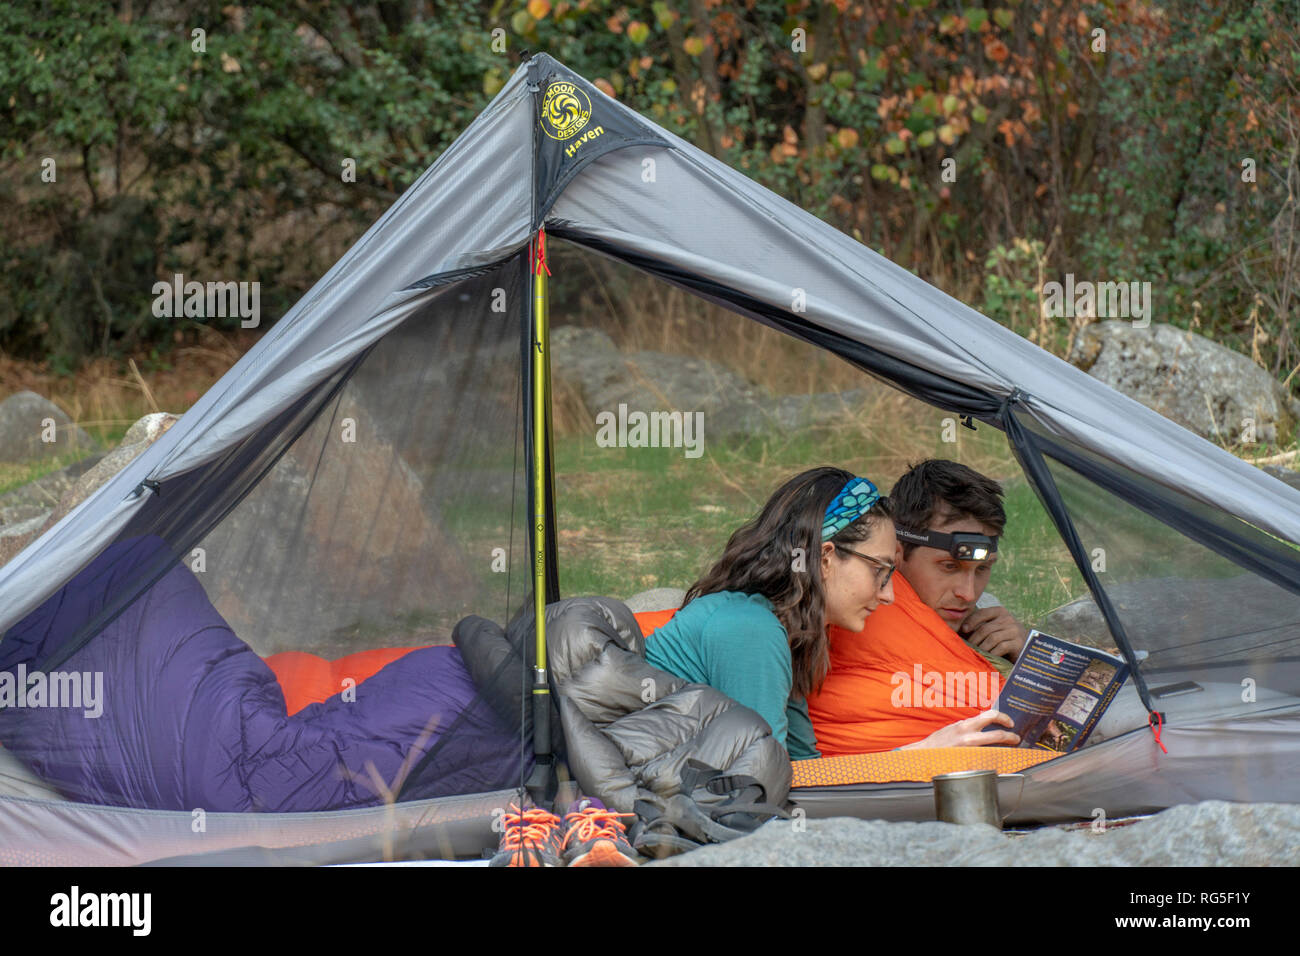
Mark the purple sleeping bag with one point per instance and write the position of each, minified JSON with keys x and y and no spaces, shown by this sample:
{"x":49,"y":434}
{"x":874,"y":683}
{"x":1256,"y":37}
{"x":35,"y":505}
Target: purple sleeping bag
{"x":189,"y":716}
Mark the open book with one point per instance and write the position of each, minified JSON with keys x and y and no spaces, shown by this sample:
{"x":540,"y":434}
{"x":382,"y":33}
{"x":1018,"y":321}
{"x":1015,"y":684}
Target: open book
{"x":1058,"y":691}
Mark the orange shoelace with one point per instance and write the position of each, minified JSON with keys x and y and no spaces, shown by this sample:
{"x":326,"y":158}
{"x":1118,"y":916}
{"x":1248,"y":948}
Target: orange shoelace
{"x":534,"y":826}
{"x":595,"y":824}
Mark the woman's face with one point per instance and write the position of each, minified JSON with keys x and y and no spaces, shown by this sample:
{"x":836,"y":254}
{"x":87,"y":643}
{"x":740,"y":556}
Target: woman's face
{"x":851,"y":582}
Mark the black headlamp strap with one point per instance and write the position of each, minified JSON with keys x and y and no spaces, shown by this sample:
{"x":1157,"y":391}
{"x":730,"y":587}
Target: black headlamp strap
{"x":945,"y":542}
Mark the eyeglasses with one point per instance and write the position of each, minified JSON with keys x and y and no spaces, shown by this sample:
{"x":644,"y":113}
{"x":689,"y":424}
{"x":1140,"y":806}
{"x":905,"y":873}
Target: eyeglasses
{"x":884,"y":566}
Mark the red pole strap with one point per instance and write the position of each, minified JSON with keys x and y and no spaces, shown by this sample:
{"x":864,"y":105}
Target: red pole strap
{"x":1155,"y":721}
{"x":541,"y":253}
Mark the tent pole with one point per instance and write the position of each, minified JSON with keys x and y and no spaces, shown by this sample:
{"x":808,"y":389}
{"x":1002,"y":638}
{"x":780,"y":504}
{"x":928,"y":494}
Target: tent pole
{"x":541,"y":783}
{"x":1036,"y":470}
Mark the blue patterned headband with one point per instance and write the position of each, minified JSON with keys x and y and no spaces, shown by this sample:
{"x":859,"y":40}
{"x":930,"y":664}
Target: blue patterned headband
{"x":854,"y":500}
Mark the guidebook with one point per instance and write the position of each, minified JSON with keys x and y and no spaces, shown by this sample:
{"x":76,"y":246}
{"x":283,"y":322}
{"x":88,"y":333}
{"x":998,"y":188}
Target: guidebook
{"x":1058,"y":691}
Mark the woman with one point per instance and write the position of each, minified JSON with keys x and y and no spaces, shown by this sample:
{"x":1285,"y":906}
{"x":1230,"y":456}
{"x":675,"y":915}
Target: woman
{"x":754,"y":627}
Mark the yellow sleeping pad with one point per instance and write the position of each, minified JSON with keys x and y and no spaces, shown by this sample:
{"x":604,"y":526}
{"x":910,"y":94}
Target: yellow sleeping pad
{"x":896,"y":766}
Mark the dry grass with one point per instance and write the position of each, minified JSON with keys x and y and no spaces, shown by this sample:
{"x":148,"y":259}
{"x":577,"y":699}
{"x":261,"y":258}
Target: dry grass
{"x":106,"y":396}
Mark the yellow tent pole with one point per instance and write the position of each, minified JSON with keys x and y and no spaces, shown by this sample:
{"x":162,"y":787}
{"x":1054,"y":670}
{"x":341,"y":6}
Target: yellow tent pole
{"x":541,"y":451}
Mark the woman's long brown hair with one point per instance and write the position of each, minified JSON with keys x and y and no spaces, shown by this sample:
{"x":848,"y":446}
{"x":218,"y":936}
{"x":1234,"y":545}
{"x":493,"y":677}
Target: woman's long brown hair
{"x":762,"y":557}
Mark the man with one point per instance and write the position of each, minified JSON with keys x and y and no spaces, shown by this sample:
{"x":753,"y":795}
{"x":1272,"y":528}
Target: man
{"x":928,"y":665}
{"x":947,"y":498}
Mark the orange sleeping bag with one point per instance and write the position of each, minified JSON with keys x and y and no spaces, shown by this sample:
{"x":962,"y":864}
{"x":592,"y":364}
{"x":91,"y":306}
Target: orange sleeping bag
{"x":308,"y":679}
{"x":651,"y":621}
{"x":905,"y":675}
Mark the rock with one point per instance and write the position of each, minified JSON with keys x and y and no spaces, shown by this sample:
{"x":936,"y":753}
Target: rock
{"x":588,"y":361}
{"x":1197,"y":383}
{"x":89,"y":474}
{"x":574,"y":345}
{"x":656,"y":599}
{"x":439,"y":401}
{"x":1214,"y":833}
{"x":787,"y":413}
{"x":25,"y":419}
{"x":1286,"y":475}
{"x":1232,"y":613}
{"x":41,"y":496}
{"x":138,"y":437}
{"x":26,"y":512}
{"x":23,"y":529}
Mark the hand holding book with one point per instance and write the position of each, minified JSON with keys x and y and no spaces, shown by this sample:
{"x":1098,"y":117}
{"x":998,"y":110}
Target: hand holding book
{"x":983,"y":730}
{"x":1058,"y":691}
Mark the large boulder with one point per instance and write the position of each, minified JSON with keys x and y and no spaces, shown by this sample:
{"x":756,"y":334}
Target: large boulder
{"x":588,"y":361}
{"x":322,"y":542}
{"x":138,"y":437}
{"x":1197,"y":383}
{"x":28,"y":422}
{"x":1214,"y":618}
{"x":787,"y":413}
{"x":26,"y":511}
{"x":42,"y":496}
{"x":72,"y":485}
{"x":440,"y":401}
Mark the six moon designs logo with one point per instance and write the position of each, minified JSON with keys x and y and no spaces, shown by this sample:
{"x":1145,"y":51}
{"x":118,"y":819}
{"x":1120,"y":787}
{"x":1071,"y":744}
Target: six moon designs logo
{"x":565,"y":110}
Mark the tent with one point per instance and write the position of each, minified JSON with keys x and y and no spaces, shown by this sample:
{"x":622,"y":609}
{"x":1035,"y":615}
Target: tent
{"x":378,"y":467}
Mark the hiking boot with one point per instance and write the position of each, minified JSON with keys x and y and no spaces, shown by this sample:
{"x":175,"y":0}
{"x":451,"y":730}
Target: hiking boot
{"x":596,"y":836}
{"x":532,"y":837}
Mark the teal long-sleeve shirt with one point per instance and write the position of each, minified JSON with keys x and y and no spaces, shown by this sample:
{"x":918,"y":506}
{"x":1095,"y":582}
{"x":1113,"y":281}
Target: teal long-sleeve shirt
{"x":734,"y":642}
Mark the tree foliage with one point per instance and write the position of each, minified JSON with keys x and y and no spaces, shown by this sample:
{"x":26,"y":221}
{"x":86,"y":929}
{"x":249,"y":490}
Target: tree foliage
{"x":1106,"y":138}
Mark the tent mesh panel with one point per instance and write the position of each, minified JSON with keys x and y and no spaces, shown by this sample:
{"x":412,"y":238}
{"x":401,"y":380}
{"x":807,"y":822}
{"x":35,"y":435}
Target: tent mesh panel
{"x":374,"y":514}
{"x":1184,"y":604}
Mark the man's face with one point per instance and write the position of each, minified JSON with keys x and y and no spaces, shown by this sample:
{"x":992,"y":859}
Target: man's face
{"x":949,"y":586}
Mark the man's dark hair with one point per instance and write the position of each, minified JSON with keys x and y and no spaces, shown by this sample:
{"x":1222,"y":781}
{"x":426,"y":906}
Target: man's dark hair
{"x":938,"y":490}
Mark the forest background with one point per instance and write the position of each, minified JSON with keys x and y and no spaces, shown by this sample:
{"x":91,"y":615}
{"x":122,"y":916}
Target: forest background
{"x":1125,"y":140}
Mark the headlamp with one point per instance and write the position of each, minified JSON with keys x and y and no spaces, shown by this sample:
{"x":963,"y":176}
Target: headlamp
{"x":961,"y":545}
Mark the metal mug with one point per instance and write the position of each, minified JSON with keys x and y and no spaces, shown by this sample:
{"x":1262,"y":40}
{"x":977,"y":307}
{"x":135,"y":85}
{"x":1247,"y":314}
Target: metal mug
{"x":969,"y":796}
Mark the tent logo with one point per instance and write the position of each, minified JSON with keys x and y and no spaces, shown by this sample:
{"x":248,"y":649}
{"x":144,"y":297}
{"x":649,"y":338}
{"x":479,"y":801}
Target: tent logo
{"x":565,"y":110}
{"x":586,"y":137}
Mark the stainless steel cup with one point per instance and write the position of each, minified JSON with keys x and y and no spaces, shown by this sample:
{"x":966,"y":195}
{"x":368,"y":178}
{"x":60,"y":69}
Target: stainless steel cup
{"x":970,"y":796}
